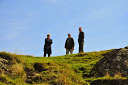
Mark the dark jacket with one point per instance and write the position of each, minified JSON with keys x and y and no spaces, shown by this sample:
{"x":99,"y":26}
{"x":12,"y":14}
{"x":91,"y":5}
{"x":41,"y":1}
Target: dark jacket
{"x":81,"y":37}
{"x":47,"y":46}
{"x":69,"y":44}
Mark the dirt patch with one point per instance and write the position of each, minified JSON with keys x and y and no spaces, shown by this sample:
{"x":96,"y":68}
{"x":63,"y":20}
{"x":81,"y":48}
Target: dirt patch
{"x":39,"y":67}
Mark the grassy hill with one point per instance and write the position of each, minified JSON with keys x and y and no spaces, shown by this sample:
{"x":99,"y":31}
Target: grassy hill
{"x":73,"y":69}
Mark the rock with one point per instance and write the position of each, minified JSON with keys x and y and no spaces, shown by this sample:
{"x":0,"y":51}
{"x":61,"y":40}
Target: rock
{"x":115,"y":62}
{"x":5,"y":66}
{"x":126,"y":47}
{"x":109,"y":82}
{"x":3,"y":61}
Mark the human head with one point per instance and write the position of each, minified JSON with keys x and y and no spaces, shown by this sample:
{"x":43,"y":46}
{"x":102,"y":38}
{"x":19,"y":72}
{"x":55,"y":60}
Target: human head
{"x":80,"y":29}
{"x":69,"y":35}
{"x":48,"y":35}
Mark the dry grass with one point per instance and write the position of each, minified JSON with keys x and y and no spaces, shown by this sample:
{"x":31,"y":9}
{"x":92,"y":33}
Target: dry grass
{"x":17,"y":69}
{"x":118,"y":75}
{"x":107,"y":75}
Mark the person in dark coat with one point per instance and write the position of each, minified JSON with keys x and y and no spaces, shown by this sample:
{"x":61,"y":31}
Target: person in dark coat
{"x":69,"y":44}
{"x":81,"y":40}
{"x":47,"y":46}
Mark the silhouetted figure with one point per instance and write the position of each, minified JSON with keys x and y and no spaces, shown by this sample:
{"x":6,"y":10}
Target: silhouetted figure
{"x":69,"y":44}
{"x":81,"y":40}
{"x":47,"y":46}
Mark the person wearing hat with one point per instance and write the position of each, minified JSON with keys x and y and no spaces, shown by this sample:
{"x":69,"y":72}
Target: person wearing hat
{"x":69,"y":44}
{"x":81,"y":40}
{"x":47,"y":46}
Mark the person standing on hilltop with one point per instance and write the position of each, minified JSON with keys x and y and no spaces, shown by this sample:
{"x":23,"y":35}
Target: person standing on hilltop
{"x":69,"y":44}
{"x":47,"y":46}
{"x":81,"y":40}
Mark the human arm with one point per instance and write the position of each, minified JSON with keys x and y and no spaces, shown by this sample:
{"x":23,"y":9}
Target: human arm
{"x":82,"y":35}
{"x":73,"y":43}
{"x":45,"y":41}
{"x":51,"y":41}
{"x":65,"y":44}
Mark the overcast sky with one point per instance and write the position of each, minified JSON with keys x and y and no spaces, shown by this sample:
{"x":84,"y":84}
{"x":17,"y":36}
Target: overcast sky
{"x":24,"y":24}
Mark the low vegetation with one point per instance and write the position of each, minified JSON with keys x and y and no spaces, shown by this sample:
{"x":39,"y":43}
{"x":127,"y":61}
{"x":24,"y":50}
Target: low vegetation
{"x":73,"y":69}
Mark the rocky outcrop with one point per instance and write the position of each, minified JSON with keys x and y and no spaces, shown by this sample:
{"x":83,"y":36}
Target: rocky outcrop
{"x":110,"y":82}
{"x":113,"y":63}
{"x":4,"y":66}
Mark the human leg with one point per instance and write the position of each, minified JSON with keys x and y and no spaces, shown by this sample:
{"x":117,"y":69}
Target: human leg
{"x":44,"y":54}
{"x":71,"y":51}
{"x":81,"y":47}
{"x":48,"y":55}
{"x":67,"y":51}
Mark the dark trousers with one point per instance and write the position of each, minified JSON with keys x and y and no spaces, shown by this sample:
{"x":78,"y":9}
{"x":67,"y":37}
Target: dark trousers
{"x":81,"y":47}
{"x":45,"y":55}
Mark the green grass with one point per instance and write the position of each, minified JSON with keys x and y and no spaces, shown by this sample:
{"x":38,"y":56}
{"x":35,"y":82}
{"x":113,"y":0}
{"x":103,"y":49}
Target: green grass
{"x":65,"y":70}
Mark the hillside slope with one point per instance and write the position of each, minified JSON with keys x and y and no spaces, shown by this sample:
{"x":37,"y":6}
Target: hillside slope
{"x":76,"y":69}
